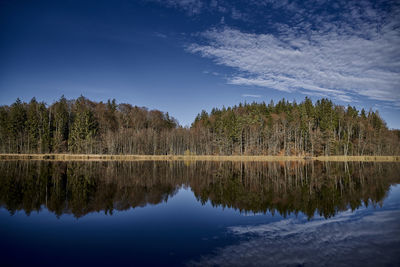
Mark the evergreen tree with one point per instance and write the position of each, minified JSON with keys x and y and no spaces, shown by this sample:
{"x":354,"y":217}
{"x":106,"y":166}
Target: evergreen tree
{"x":84,"y":128}
{"x":17,"y":126}
{"x":44,"y":128}
{"x":5,"y":130}
{"x":33,"y":126}
{"x":61,"y":125}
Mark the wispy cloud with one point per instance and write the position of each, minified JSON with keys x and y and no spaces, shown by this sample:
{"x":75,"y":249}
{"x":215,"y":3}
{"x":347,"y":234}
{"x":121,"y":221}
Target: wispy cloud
{"x":196,"y":7}
{"x":211,"y":73}
{"x":364,"y":238}
{"x":191,"y":7}
{"x":160,"y":35}
{"x":247,"y":95}
{"x":349,"y":57}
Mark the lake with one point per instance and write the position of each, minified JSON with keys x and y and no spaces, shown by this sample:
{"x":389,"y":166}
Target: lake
{"x":199,"y":213}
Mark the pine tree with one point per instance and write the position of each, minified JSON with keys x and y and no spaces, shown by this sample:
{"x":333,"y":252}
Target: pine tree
{"x":61,"y":125}
{"x":84,"y":128}
{"x":5,"y":130}
{"x":32,"y":124}
{"x":17,"y":126}
{"x":44,"y":128}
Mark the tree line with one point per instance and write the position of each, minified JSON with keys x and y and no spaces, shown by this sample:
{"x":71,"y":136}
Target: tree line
{"x":284,"y":128}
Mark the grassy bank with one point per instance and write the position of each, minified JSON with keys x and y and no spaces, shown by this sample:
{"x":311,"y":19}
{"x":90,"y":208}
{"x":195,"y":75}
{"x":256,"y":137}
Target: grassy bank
{"x":359,"y":158}
{"x":97,"y":157}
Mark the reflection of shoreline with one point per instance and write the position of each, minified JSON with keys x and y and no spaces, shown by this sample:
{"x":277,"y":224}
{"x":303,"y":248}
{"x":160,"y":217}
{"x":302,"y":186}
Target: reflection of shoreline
{"x":234,"y":158}
{"x":251,"y":187}
{"x":363,"y":238}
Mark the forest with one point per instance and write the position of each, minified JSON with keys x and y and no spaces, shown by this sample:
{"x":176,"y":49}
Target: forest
{"x":285,"y":128}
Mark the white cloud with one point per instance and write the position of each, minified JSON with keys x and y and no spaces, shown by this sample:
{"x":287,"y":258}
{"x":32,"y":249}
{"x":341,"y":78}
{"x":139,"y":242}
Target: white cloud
{"x":361,"y":238}
{"x":211,"y":72}
{"x":354,"y":56}
{"x":247,"y":95}
{"x":191,"y":7}
{"x":160,"y":35}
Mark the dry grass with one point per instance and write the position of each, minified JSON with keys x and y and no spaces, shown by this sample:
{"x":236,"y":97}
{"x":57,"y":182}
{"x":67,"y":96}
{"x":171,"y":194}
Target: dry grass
{"x":359,"y":158}
{"x":98,"y":157}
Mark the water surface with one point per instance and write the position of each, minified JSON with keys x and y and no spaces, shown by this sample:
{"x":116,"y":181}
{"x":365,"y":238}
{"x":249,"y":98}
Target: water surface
{"x":199,"y":213}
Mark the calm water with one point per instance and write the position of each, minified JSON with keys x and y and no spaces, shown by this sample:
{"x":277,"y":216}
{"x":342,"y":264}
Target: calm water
{"x":201,"y":214}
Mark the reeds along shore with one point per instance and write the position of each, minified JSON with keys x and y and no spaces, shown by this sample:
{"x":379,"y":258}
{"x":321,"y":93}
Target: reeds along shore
{"x":99,"y":157}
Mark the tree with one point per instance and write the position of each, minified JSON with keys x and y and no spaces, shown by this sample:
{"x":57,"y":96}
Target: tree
{"x":32,"y":124}
{"x":61,"y":123}
{"x":84,"y":128}
{"x":17,"y":126}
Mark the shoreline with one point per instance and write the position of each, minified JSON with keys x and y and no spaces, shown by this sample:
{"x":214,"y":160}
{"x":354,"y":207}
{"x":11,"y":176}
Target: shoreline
{"x":106,"y":157}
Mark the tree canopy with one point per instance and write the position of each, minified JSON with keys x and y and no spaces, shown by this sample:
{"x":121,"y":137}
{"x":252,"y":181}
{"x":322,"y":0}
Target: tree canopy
{"x":284,"y":128}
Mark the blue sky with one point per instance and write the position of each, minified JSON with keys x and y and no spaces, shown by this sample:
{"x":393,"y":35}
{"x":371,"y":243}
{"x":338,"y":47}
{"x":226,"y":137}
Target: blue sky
{"x":183,"y":56}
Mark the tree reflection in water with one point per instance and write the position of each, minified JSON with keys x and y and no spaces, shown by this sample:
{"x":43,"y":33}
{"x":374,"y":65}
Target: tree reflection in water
{"x":252,"y":187}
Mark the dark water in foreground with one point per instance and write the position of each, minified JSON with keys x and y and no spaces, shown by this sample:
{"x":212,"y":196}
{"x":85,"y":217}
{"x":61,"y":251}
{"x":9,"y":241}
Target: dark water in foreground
{"x":202,"y":213}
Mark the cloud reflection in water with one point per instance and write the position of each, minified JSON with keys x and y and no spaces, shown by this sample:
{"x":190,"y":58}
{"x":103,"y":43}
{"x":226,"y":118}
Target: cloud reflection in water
{"x":366,"y":237}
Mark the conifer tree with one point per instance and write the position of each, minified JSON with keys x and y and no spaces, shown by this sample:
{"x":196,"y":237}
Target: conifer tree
{"x":17,"y":126}
{"x":61,"y":125}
